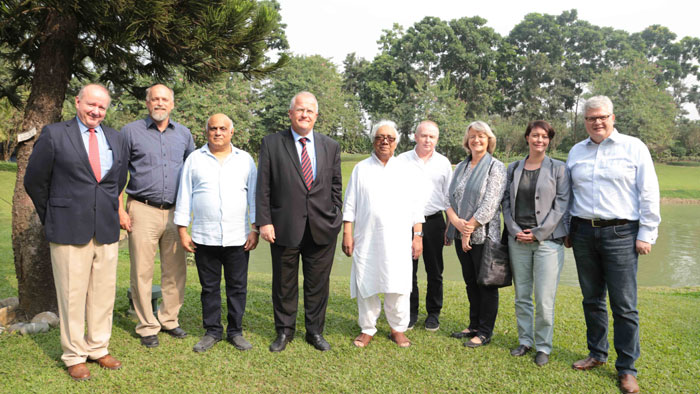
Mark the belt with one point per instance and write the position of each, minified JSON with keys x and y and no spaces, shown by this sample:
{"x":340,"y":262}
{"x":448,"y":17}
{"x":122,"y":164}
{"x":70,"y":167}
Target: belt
{"x":603,"y":222}
{"x":152,"y":203}
{"x":436,"y":215}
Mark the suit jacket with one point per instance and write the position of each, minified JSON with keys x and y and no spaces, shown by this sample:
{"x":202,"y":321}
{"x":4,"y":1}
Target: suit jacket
{"x":282,"y":198}
{"x":72,"y":205}
{"x":552,"y":195}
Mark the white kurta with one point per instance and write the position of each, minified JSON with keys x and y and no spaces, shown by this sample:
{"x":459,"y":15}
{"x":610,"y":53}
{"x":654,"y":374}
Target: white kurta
{"x":383,"y":204}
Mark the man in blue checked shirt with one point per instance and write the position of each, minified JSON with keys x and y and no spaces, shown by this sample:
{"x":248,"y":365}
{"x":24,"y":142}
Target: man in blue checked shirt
{"x":217,"y":190}
{"x":614,"y":218}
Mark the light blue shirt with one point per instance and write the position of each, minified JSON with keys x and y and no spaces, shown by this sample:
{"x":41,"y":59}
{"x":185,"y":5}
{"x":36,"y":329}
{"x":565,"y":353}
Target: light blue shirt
{"x":310,"y":148}
{"x":217,"y":195}
{"x":106,"y":158}
{"x":615,"y":180}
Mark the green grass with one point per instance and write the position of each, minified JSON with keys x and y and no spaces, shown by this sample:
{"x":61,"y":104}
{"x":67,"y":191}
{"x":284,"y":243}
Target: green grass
{"x":679,"y":181}
{"x":670,"y":360}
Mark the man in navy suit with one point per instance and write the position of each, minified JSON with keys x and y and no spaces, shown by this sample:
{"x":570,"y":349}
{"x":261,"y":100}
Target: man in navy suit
{"x":298,"y":209}
{"x":74,"y":176}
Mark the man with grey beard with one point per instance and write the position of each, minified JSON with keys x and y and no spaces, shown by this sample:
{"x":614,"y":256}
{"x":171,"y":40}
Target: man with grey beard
{"x":157,"y":149}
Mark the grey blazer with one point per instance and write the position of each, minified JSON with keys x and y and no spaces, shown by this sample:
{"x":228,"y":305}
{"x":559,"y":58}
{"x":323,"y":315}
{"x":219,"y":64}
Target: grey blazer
{"x":552,"y":195}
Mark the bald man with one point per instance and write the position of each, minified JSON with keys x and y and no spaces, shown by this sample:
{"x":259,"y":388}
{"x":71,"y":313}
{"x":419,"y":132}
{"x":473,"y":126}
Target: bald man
{"x":217,"y":189}
{"x":158,"y":147}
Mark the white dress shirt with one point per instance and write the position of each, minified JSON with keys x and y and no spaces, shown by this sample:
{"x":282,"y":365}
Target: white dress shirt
{"x":310,"y":148}
{"x":436,"y":175}
{"x":615,"y":180}
{"x":218,"y":196}
{"x":380,"y":203}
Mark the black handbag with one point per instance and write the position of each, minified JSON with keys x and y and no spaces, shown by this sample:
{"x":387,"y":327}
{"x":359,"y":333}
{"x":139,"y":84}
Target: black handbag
{"x":495,"y":263}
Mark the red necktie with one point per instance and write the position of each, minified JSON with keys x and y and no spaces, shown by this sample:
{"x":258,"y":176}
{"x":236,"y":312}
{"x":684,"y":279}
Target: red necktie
{"x":94,"y":155}
{"x":306,"y":169}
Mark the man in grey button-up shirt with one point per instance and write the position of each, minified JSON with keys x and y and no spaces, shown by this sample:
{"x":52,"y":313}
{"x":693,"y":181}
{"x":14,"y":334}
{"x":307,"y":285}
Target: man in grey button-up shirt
{"x":157,"y":149}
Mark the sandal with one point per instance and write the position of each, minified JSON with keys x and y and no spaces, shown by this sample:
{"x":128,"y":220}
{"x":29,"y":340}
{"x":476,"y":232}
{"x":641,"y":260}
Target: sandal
{"x":482,"y":338}
{"x":464,"y":334}
{"x":362,"y":340}
{"x":399,"y":338}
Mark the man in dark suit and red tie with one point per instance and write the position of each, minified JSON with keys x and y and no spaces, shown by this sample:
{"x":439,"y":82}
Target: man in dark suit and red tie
{"x":298,"y":209}
{"x":74,"y":176}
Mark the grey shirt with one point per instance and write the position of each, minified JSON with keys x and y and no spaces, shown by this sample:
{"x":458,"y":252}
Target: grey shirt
{"x":156,"y":159}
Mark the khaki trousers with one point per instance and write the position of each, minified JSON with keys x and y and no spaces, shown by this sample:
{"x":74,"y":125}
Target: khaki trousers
{"x":152,"y":229}
{"x":86,"y":280}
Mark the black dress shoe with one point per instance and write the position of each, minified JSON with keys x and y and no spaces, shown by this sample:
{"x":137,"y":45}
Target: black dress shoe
{"x":317,"y":341}
{"x":281,"y":342}
{"x":520,"y":351}
{"x":150,"y":341}
{"x":541,"y":358}
{"x":484,"y":341}
{"x":176,"y":332}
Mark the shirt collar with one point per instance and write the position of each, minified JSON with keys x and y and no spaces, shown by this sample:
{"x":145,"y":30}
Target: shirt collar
{"x":84,"y":129}
{"x":205,"y":149}
{"x":417,"y":158}
{"x":150,"y":122}
{"x":298,"y":136}
{"x":614,"y":137}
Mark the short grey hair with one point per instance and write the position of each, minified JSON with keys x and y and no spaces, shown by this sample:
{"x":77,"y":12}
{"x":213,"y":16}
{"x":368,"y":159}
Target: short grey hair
{"x":484,"y":128}
{"x":230,"y":122}
{"x":148,"y":92}
{"x":596,"y":102}
{"x":304,"y":93}
{"x":425,"y":123}
{"x":381,"y":124}
{"x":99,"y":85}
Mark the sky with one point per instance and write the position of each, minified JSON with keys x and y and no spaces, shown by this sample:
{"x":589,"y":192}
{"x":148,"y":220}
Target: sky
{"x":334,"y":28}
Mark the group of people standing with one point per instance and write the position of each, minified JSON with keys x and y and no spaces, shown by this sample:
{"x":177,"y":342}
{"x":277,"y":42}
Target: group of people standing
{"x":604,"y":202}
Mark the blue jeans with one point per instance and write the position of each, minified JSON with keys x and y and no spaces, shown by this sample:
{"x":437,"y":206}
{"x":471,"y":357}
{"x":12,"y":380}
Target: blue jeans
{"x":606,"y":260}
{"x":536,"y":266}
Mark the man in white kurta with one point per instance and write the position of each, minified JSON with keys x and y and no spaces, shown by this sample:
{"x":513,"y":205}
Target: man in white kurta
{"x":381,"y":204}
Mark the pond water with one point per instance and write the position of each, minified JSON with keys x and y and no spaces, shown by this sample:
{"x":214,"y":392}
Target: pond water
{"x":674,"y":260}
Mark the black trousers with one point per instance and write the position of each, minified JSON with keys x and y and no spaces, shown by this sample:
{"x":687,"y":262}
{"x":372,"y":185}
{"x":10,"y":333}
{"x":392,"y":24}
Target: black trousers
{"x":317,"y":263}
{"x":209,"y":261}
{"x":483,"y":300}
{"x":433,"y":241}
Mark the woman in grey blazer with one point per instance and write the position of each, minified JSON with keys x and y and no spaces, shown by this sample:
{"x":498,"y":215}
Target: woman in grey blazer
{"x":535,"y":204}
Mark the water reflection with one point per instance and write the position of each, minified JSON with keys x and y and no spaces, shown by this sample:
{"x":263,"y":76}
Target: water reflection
{"x":673,"y":261}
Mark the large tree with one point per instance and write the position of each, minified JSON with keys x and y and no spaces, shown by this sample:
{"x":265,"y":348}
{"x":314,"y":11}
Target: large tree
{"x":643,"y":107}
{"x":339,"y":112}
{"x":49,"y":42}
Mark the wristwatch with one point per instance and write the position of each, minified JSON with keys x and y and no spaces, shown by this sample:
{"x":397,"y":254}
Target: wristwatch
{"x":417,"y":233}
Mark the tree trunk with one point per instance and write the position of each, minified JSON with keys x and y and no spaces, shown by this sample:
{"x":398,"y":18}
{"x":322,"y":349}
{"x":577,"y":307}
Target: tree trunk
{"x":52,"y":72}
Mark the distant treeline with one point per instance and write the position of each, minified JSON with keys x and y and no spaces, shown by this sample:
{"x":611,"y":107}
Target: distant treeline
{"x":457,"y":71}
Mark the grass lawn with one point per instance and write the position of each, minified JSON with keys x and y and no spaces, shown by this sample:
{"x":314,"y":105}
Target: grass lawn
{"x":670,"y":361}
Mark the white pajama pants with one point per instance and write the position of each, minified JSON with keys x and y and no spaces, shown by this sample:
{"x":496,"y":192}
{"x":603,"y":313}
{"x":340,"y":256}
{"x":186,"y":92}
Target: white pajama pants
{"x":396,"y":307}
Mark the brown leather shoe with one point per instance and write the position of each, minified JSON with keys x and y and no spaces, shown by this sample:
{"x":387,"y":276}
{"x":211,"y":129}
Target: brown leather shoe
{"x":79,"y":372}
{"x":586,"y":364}
{"x":109,"y":362}
{"x":628,"y":383}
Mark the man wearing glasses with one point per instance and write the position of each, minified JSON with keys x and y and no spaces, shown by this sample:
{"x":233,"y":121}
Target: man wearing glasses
{"x":614,"y":218}
{"x":298,"y":209}
{"x":381,"y":205}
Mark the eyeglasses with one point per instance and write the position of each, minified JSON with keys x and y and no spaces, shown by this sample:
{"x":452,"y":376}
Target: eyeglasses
{"x":388,"y":138}
{"x":594,"y":119}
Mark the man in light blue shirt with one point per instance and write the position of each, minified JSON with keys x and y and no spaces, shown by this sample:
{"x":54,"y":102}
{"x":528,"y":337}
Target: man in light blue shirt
{"x":217,"y":189}
{"x":614,"y":218}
